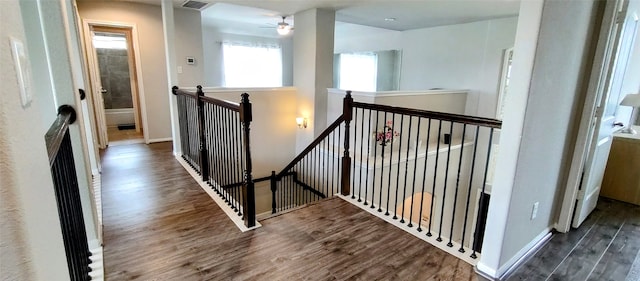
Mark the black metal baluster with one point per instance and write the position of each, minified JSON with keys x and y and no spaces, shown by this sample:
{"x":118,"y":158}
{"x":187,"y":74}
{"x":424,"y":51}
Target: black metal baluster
{"x":395,"y":204}
{"x":366,"y":179}
{"x":361,"y":146}
{"x":415,"y":169}
{"x":446,"y":177}
{"x":466,"y":210}
{"x":424,"y":174}
{"x":455,"y":198}
{"x":435,"y":176}
{"x":375,"y":162}
{"x":484,"y":185}
{"x":393,"y":119}
{"x":406,"y":169}
{"x":353,"y":170}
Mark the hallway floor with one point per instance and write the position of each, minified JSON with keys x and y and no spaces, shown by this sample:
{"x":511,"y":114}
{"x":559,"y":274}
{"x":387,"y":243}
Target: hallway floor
{"x":122,"y":137}
{"x":605,"y":247}
{"x":160,"y":225}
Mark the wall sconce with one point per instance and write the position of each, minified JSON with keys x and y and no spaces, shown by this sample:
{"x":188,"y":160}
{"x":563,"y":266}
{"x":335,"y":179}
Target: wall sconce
{"x":302,"y":122}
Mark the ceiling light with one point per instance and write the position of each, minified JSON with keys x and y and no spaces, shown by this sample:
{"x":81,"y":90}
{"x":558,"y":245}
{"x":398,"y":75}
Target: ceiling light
{"x":283,"y":29}
{"x":390,"y":19}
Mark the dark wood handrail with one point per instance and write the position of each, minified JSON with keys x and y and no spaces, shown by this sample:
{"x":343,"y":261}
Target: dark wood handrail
{"x":465,"y":119}
{"x":55,"y":134}
{"x":312,"y":145}
{"x":223,"y":103}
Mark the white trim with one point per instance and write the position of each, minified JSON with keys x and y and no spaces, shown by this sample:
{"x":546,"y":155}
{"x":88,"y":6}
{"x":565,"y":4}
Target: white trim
{"x":523,"y":255}
{"x":341,"y":92}
{"x":92,"y":63}
{"x":233,"y":216}
{"x":601,"y":61}
{"x":159,"y":140}
{"x":97,"y":260}
{"x":421,"y":235}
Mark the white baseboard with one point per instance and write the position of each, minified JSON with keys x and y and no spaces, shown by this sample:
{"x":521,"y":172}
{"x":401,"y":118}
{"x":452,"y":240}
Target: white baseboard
{"x":159,"y":140}
{"x":97,"y":260}
{"x":523,"y":255}
{"x":233,"y":216}
{"x":413,"y":231}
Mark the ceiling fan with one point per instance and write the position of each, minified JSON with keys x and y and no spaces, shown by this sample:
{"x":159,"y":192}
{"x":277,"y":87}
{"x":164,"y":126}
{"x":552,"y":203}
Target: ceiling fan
{"x":283,"y":28}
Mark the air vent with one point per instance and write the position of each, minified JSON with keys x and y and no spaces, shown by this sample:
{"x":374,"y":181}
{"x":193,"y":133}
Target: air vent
{"x":194,"y":4}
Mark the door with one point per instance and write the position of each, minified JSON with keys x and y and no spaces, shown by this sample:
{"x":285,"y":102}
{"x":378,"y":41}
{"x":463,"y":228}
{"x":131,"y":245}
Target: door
{"x":114,"y":82}
{"x":605,"y":114}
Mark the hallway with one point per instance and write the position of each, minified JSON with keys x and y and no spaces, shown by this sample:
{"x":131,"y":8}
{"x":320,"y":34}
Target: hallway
{"x":605,"y":247}
{"x":160,"y":225}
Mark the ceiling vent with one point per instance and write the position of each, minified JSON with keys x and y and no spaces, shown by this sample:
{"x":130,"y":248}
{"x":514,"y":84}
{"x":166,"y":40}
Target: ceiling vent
{"x":194,"y":4}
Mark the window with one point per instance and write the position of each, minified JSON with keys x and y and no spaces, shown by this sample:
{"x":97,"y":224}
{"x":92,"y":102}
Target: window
{"x":358,"y":72}
{"x":252,"y":65}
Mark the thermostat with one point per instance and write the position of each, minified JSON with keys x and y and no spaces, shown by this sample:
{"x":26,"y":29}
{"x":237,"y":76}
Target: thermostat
{"x":191,"y":60}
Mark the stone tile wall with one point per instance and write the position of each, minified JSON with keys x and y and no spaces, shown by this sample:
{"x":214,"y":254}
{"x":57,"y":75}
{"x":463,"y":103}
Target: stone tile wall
{"x":114,"y":75}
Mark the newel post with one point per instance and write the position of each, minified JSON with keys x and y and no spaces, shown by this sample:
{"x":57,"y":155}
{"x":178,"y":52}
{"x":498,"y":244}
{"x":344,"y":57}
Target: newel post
{"x":248,"y":188}
{"x":347,"y":107}
{"x":204,"y":160}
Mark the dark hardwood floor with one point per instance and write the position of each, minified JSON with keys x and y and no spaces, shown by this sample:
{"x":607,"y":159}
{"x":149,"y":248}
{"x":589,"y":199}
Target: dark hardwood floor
{"x":160,"y":225}
{"x":605,"y":247}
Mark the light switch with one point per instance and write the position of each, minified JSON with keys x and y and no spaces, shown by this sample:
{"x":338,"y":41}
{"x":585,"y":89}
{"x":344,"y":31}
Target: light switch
{"x":22,"y":71}
{"x":179,"y":69}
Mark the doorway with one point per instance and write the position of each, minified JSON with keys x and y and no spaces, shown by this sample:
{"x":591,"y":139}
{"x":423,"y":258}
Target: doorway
{"x":609,"y":81}
{"x":114,"y":75}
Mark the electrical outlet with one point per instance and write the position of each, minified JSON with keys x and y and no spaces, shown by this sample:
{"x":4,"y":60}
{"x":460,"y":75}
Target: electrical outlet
{"x":179,"y":69}
{"x":534,"y":211}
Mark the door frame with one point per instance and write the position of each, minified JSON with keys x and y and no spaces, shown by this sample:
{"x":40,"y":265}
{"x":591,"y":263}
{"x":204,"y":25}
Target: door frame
{"x":599,"y":82}
{"x":135,"y":70}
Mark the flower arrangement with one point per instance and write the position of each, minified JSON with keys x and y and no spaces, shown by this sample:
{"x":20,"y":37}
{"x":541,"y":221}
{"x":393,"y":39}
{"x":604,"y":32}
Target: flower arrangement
{"x":387,"y":135}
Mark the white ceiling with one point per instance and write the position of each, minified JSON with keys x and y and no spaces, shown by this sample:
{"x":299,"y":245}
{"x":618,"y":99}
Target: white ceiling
{"x":247,"y":16}
{"x":409,"y":14}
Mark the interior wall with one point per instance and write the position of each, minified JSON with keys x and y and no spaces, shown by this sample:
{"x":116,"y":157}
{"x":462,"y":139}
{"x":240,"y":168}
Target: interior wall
{"x":274,"y":115}
{"x":212,"y":59}
{"x":188,"y":43}
{"x":558,"y":85}
{"x":461,"y":56}
{"x":31,"y":244}
{"x":148,"y":21}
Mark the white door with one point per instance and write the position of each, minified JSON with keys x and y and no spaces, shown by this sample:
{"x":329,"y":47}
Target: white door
{"x":605,"y":114}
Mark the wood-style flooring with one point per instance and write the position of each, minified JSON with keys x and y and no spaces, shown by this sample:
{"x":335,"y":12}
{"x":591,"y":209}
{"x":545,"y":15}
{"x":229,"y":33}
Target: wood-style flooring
{"x":160,"y":225}
{"x":605,"y":247}
{"x":122,"y":137}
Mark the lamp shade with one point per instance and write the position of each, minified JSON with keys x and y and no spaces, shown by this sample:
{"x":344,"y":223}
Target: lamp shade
{"x":631,"y":100}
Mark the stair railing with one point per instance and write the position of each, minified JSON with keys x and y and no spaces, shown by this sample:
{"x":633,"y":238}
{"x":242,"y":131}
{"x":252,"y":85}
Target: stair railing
{"x":215,"y":142}
{"x":317,"y":172}
{"x":65,"y":182}
{"x":427,"y":170}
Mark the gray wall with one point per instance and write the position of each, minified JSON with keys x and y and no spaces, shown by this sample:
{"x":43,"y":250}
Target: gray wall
{"x":560,"y":73}
{"x":114,"y":76}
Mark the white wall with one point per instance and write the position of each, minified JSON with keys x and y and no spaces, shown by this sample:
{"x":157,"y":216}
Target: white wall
{"x":273,"y":132}
{"x":461,"y":56}
{"x":212,"y":60}
{"x":148,"y":20}
{"x":543,"y":136}
{"x":31,"y":244}
{"x":188,"y":43}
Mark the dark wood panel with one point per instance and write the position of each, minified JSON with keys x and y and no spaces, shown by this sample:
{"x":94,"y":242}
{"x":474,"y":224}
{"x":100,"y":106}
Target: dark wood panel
{"x":160,"y":225}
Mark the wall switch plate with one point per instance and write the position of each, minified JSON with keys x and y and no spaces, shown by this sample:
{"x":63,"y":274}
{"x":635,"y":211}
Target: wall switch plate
{"x":191,"y":60}
{"x":534,"y":211}
{"x":179,"y":69}
{"x":22,"y":71}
